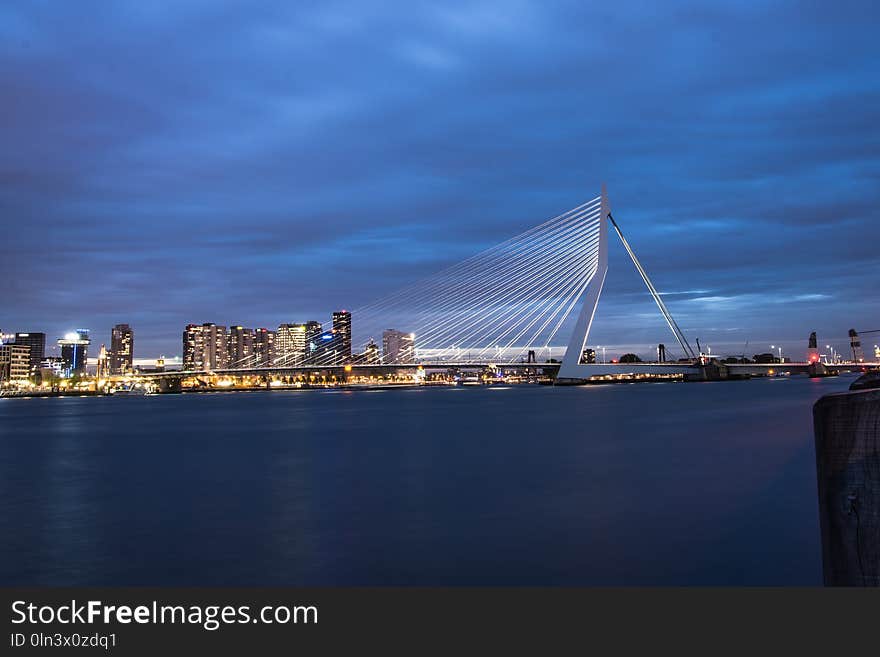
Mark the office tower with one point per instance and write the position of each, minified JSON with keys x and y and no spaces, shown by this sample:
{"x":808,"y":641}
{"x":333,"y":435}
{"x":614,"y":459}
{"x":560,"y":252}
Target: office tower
{"x":371,"y":353}
{"x":264,"y":347}
{"x":327,"y":349}
{"x":313,"y":334}
{"x":14,"y":363}
{"x":121,"y":349}
{"x":205,"y":347}
{"x":342,"y":329}
{"x":398,"y":347}
{"x":290,"y":344}
{"x":36,"y":342}
{"x":75,"y":351}
{"x":241,"y":347}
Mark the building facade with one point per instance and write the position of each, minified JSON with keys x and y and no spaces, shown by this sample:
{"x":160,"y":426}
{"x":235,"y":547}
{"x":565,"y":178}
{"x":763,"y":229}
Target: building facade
{"x":14,"y":363}
{"x":74,"y":352}
{"x":121,"y":356}
{"x":313,"y":338}
{"x":398,"y":347}
{"x":51,"y":367}
{"x":290,"y":344}
{"x":36,"y":344}
{"x":103,"y":367}
{"x":371,"y":353}
{"x":205,"y":347}
{"x":342,"y":329}
{"x":264,"y":347}
{"x":240,"y":347}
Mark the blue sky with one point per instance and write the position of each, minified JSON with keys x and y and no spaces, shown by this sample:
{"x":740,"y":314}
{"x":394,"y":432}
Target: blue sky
{"x":257,"y":163}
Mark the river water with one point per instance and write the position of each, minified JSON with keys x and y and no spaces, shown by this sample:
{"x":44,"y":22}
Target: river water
{"x":638,"y":484}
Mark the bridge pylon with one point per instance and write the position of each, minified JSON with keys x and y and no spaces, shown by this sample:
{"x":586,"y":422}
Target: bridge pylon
{"x":573,"y":367}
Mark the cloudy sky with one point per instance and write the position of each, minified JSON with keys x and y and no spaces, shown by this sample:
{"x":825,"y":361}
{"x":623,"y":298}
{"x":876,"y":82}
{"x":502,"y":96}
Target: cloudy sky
{"x":257,"y":163}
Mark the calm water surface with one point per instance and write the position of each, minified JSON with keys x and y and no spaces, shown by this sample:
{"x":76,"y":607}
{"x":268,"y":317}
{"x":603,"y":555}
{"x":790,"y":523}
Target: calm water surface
{"x":630,"y":484}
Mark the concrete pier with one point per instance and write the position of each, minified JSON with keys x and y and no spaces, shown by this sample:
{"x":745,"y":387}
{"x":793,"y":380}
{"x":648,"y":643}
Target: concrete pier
{"x":847,"y":434}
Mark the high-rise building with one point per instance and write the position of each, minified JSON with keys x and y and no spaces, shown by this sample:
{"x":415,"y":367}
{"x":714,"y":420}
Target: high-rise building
{"x":264,"y":347}
{"x":14,"y":363}
{"x":217,"y":346}
{"x":205,"y":347}
{"x":241,"y":347}
{"x":313,"y":338}
{"x":398,"y":347}
{"x":121,"y":349}
{"x":36,"y":343}
{"x":342,"y":329}
{"x":371,"y":353}
{"x":327,"y":349}
{"x":193,"y":347}
{"x":290,"y":344}
{"x":75,"y":351}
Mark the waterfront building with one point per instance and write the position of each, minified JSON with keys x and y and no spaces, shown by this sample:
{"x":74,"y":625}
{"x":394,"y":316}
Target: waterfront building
{"x":290,"y":344}
{"x":36,"y":344}
{"x":103,"y":368}
{"x":313,"y":334}
{"x":14,"y":363}
{"x":205,"y":347}
{"x":51,"y":367}
{"x":241,"y":347}
{"x":371,"y":353}
{"x":342,"y":329}
{"x":75,"y":352}
{"x":398,"y":347}
{"x":264,"y":347}
{"x":217,"y":346}
{"x":121,"y":349}
{"x":193,"y":347}
{"x":326,"y":349}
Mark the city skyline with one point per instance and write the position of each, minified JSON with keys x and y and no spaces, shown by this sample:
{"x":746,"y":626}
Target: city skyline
{"x":296,"y":163}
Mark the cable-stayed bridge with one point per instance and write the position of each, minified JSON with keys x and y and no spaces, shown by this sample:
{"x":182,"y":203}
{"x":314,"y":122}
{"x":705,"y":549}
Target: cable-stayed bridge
{"x":527,"y":302}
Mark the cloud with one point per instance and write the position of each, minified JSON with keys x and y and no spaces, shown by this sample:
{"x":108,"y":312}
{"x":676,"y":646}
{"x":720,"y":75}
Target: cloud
{"x":241,"y":164}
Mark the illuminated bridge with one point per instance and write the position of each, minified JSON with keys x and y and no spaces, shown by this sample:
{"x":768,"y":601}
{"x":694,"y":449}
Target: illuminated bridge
{"x":505,"y":307}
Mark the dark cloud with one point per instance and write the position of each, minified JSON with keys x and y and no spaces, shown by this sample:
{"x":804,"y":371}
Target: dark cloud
{"x":239,"y":164}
